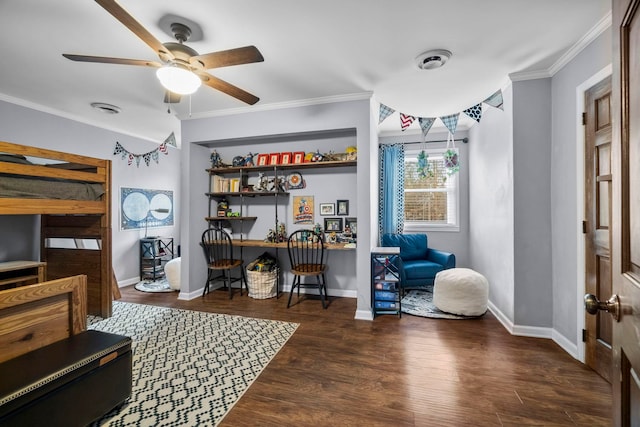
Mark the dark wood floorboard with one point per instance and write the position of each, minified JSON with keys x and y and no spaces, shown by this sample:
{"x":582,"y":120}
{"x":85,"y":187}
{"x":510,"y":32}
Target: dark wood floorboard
{"x":412,"y":371}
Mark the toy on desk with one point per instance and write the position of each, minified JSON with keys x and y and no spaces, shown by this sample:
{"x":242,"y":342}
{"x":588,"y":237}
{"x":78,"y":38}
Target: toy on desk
{"x":281,"y":235}
{"x":271,"y":236}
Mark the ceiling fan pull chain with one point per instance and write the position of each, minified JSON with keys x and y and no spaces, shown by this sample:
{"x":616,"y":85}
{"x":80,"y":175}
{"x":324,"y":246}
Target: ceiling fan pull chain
{"x":189,"y":105}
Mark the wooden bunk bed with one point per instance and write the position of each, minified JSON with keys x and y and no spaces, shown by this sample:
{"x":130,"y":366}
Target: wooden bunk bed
{"x":72,"y":194}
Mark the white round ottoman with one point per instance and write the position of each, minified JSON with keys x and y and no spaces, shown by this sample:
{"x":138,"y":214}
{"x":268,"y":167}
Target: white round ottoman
{"x":461,"y":291}
{"x":172,"y":273}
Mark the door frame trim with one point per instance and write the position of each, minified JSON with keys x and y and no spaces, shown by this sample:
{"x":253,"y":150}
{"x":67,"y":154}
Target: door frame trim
{"x":581,"y":89}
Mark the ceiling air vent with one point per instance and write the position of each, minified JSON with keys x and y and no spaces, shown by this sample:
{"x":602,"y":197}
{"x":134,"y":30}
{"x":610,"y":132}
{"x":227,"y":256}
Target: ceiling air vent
{"x":432,"y":59}
{"x":105,"y":108}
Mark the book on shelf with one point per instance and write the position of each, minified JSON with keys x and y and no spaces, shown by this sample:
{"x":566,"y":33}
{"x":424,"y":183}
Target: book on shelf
{"x":220,"y":184}
{"x":386,"y":286}
{"x":389,"y":305}
{"x":385,"y":295}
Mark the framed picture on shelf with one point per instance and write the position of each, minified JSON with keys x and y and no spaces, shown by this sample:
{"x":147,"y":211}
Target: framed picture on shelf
{"x":327,"y":209}
{"x":352,"y":223}
{"x":286,"y":158}
{"x":263,"y":160}
{"x":298,"y":157}
{"x":274,"y":158}
{"x":343,"y":207}
{"x":333,"y":224}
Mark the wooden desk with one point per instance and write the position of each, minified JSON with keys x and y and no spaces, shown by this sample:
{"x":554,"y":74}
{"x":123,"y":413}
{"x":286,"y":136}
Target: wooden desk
{"x":283,"y":245}
{"x":20,"y":273}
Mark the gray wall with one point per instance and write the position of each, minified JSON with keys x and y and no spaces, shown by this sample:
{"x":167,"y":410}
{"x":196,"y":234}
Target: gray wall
{"x":532,"y":210}
{"x":491,"y":200}
{"x":27,"y":126}
{"x":526,"y":202}
{"x":356,"y":115}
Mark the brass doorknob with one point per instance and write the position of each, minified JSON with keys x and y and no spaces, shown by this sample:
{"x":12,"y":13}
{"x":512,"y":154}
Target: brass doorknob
{"x":612,"y":306}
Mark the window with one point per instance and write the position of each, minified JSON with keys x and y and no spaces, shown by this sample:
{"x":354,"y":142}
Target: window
{"x":430,"y":194}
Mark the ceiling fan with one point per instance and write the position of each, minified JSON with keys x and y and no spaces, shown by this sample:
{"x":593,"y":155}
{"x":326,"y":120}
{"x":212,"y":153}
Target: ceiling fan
{"x":182,"y":69}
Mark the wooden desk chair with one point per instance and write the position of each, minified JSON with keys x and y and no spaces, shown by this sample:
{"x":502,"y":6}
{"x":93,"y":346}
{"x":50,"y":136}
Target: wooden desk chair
{"x":306,"y":255}
{"x":218,"y":252}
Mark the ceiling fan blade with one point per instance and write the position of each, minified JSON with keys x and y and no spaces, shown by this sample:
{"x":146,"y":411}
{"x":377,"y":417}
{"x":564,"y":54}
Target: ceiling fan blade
{"x":171,"y":98}
{"x":109,"y":60}
{"x":129,"y":21}
{"x":228,"y":88}
{"x":225,"y":58}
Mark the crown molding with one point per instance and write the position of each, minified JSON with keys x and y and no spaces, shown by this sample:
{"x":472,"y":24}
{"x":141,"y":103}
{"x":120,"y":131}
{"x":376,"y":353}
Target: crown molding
{"x":278,"y":106}
{"x":569,"y":55}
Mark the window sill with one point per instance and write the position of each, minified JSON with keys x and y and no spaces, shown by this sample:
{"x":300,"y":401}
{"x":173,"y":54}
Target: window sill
{"x":417,"y":228}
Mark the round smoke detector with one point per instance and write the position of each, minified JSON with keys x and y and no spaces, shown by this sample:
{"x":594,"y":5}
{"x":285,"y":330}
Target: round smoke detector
{"x":432,"y":59}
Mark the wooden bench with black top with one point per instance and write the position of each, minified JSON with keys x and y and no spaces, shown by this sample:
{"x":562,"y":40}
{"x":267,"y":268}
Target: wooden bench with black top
{"x":53,"y":371}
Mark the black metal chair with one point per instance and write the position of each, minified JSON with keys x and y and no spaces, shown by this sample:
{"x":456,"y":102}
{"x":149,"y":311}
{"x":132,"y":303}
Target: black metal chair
{"x":218,"y":252}
{"x":307,"y":258}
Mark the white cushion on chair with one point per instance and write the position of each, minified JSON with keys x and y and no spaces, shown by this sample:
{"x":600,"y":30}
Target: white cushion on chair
{"x":172,"y":273}
{"x":461,"y":291}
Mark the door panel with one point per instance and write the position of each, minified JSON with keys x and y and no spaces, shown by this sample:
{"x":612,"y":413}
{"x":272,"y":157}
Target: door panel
{"x":597,"y":215}
{"x":626,"y":210}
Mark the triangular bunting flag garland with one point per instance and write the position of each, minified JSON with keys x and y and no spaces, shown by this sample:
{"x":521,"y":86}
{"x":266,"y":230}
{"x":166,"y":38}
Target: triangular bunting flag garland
{"x":425,"y":125}
{"x":406,"y":120}
{"x":495,"y":100}
{"x":451,"y":122}
{"x":474,"y":112}
{"x":151,"y":155}
{"x":171,"y":140}
{"x":385,"y":112}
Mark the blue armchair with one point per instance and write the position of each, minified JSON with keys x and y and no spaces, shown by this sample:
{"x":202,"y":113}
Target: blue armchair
{"x":420,"y":263}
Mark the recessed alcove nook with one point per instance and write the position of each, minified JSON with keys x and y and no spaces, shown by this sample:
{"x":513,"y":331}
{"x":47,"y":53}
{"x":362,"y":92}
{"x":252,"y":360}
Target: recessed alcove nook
{"x":325,"y":127}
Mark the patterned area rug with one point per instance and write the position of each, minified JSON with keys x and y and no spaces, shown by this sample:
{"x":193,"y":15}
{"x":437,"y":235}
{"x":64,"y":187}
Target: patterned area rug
{"x":420,"y":303}
{"x":189,"y":367}
{"x":160,"y":285}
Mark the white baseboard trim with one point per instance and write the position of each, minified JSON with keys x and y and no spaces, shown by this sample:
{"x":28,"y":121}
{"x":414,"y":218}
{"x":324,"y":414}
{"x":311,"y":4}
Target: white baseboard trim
{"x":128,"y":282}
{"x":535,"y":332}
{"x":363,"y":315}
{"x":566,"y":345}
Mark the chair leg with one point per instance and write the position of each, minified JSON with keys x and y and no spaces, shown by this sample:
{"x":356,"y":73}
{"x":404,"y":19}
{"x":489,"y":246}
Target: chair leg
{"x":293,"y":286}
{"x":322,"y":290}
{"x":227,"y":279}
{"x":206,"y":284}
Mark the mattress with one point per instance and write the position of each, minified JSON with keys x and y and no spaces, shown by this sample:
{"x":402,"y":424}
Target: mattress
{"x":48,"y":188}
{"x":23,"y":187}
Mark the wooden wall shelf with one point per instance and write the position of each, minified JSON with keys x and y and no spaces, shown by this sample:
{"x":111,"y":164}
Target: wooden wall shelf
{"x":309,"y":165}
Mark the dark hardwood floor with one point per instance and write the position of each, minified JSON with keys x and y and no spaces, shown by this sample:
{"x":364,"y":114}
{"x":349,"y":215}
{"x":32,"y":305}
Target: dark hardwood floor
{"x":412,"y":371}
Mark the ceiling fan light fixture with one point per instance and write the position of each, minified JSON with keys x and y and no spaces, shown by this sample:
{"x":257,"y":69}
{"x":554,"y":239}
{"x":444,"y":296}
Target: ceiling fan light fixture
{"x":178,"y":79}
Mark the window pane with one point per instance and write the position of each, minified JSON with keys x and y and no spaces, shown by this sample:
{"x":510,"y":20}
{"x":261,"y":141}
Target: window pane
{"x":426,"y":206}
{"x":429,"y":196}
